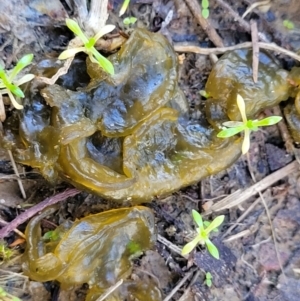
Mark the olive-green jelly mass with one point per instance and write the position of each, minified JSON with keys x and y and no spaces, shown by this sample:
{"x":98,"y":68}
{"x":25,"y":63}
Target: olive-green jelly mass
{"x":123,"y":137}
{"x":129,"y":136}
{"x":96,"y":250}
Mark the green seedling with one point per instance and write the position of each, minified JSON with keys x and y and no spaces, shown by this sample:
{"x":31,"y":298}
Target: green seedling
{"x":202,"y":236}
{"x":129,"y":20}
{"x":208,"y":279}
{"x":51,"y":235}
{"x":205,"y":8}
{"x":246,"y":126}
{"x":4,"y":296}
{"x":204,"y":94}
{"x":9,"y":84}
{"x":124,"y":7}
{"x":288,"y":24}
{"x":88,"y":47}
{"x":6,"y":253}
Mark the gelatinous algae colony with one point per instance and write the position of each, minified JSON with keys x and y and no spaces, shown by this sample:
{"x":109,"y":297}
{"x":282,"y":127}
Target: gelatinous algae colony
{"x":128,"y":137}
{"x":96,"y":250}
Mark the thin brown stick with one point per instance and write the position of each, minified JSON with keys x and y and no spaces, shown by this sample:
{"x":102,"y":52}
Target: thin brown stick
{"x":255,"y":52}
{"x":254,"y":5}
{"x":179,"y":285}
{"x":241,"y":196}
{"x":210,"y":31}
{"x":13,"y":163}
{"x":244,"y":24}
{"x":110,"y":290}
{"x":273,"y":233}
{"x":184,"y":47}
{"x":2,"y":109}
{"x":23,"y":217}
{"x":285,"y":134}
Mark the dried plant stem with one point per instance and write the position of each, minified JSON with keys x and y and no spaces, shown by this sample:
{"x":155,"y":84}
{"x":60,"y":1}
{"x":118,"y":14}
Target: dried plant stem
{"x":110,"y":290}
{"x":241,"y":196}
{"x":210,"y":31}
{"x":17,"y":174}
{"x":273,"y":233}
{"x":23,"y":217}
{"x":184,"y":47}
{"x":179,"y":285}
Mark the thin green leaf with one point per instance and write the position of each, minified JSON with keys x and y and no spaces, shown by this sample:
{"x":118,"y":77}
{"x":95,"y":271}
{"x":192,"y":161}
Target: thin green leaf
{"x":73,"y":26}
{"x":189,"y":247}
{"x":22,"y":63}
{"x":70,"y":53}
{"x":268,"y":121}
{"x":103,"y":62}
{"x":16,"y":91}
{"x":197,"y":218}
{"x":241,"y":105}
{"x":3,"y":76}
{"x":215,"y":223}
{"x":104,"y":30}
{"x":212,"y":249}
{"x":230,"y":132}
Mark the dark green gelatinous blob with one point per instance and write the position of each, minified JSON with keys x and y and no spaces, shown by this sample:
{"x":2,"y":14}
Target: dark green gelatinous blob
{"x":233,"y":74}
{"x":96,"y":250}
{"x":124,"y":137}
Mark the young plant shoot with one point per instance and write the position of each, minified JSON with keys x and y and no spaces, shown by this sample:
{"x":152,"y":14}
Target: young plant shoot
{"x":202,"y":236}
{"x":124,"y":7}
{"x":208,"y":279}
{"x":205,"y":8}
{"x":88,"y":47}
{"x":10,"y":85}
{"x":246,"y":126}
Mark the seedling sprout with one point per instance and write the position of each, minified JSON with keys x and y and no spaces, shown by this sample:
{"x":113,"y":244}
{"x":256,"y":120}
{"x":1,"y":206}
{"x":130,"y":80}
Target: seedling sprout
{"x":202,"y":236}
{"x":10,"y":85}
{"x":88,"y":47}
{"x":246,"y":126}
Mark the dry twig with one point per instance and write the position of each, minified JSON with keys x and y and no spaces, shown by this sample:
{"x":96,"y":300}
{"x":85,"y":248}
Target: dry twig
{"x":241,"y":196}
{"x":23,"y":217}
{"x":255,"y":52}
{"x":17,"y":174}
{"x":210,"y":31}
{"x":185,"y":47}
{"x":179,"y":285}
